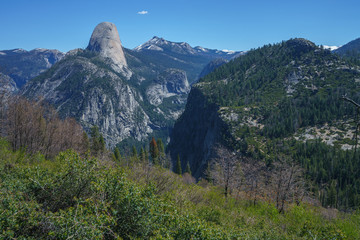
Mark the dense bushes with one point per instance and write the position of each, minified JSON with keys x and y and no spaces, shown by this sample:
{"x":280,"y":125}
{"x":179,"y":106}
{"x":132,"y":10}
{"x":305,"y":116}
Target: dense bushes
{"x":84,"y":198}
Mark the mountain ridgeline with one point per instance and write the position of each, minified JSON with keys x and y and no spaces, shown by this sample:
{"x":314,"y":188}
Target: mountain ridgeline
{"x":18,"y":66}
{"x":351,"y":49}
{"x":130,"y":94}
{"x":270,"y":102}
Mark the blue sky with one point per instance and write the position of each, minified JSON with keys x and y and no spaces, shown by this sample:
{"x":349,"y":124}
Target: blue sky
{"x":220,"y":24}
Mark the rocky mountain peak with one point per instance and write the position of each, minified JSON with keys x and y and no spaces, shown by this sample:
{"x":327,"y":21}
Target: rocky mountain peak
{"x":300,"y":45}
{"x":105,"y":40}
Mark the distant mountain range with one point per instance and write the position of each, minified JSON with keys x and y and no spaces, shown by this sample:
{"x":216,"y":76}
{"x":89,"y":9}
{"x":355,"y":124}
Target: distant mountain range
{"x":21,"y":65}
{"x":181,"y":55}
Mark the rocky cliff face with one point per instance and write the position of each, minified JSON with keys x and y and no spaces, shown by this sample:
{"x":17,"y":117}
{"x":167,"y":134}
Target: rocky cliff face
{"x":90,"y":91}
{"x":21,"y":65}
{"x":7,"y":85}
{"x":196,"y":133}
{"x":172,"y":82}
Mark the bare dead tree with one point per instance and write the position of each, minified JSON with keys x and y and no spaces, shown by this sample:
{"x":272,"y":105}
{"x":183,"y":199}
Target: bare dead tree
{"x":255,"y":179}
{"x":31,"y":126}
{"x":287,"y":184}
{"x":225,"y":170}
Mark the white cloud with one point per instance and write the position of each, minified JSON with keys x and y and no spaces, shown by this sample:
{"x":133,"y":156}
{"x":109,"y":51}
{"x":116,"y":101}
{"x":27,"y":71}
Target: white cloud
{"x":143,"y":12}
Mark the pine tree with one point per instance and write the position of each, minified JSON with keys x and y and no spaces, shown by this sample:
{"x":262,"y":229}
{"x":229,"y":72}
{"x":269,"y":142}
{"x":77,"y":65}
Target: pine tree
{"x":178,"y":165}
{"x":142,"y":155}
{"x":332,"y":195}
{"x":134,"y":152}
{"x":160,"y":145}
{"x":86,"y":142}
{"x":97,"y":141}
{"x":154,"y":151}
{"x":161,"y":157}
{"x":102,"y":143}
{"x":188,"y":169}
{"x":117,"y":154}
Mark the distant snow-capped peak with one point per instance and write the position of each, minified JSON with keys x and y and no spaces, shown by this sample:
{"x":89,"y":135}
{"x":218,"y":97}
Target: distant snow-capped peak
{"x":331,"y":48}
{"x":158,"y":44}
{"x":228,"y":51}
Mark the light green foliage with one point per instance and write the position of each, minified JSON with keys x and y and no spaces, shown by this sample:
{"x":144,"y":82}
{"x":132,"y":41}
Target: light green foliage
{"x":82,"y":198}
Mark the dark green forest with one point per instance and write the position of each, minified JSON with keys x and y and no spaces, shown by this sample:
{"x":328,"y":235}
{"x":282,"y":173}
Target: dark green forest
{"x":257,"y":85}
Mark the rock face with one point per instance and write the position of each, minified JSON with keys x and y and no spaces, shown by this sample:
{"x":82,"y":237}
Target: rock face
{"x":300,"y":45}
{"x":196,"y":133}
{"x":105,"y":40}
{"x":160,"y":44}
{"x":7,"y":85}
{"x":21,"y":65}
{"x":94,"y":95}
{"x":172,"y":82}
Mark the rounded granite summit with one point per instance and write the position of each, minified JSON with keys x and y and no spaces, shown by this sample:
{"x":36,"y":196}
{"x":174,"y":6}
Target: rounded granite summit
{"x":300,"y":45}
{"x":105,"y":40}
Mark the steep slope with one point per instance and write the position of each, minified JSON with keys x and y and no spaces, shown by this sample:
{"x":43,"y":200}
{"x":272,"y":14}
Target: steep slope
{"x":211,"y":66}
{"x":351,"y":49}
{"x":272,"y":93}
{"x":93,"y":86}
{"x":82,"y":86}
{"x":7,"y":85}
{"x":21,"y":65}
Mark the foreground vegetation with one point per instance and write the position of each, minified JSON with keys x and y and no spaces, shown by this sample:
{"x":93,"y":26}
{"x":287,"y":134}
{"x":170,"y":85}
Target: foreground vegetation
{"x":82,"y":197}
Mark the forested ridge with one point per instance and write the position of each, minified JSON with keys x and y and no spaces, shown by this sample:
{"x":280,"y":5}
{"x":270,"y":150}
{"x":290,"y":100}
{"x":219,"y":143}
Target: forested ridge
{"x":284,"y":102}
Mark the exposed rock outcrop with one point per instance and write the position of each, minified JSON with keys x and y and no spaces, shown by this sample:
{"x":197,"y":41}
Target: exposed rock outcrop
{"x":172,"y":82}
{"x":105,"y":40}
{"x":94,"y":95}
{"x":7,"y":85}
